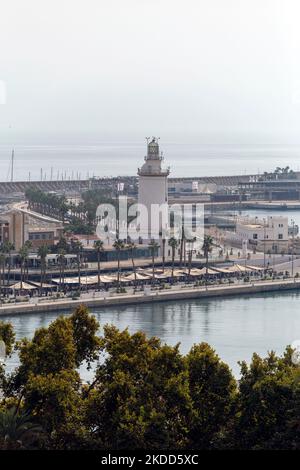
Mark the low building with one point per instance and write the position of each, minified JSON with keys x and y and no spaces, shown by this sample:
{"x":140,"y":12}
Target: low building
{"x":24,"y":225}
{"x":87,"y":241}
{"x":4,"y":231}
{"x":109,"y":253}
{"x":274,"y":189}
{"x":189,"y":186}
{"x":269,"y":234}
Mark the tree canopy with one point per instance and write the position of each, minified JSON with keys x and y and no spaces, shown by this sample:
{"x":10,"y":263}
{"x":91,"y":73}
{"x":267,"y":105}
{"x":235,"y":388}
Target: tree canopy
{"x":143,"y":394}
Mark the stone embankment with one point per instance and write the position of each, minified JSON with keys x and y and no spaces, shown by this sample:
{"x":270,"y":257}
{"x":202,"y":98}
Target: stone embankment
{"x":149,"y":296}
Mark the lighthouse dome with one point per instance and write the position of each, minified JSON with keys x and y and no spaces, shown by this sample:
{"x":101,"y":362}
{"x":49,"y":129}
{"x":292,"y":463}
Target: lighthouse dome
{"x":153,"y":149}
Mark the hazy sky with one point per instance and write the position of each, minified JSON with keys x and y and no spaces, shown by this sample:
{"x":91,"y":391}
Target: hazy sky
{"x":217,"y":70}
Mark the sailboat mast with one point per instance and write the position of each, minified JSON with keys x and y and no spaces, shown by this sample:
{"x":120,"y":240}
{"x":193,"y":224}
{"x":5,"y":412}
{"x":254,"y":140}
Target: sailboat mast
{"x":12,"y":165}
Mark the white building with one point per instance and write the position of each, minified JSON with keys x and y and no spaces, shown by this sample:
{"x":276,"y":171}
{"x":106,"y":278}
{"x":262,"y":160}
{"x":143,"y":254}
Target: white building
{"x":270,"y":233}
{"x":26,"y":225}
{"x":153,"y":194}
{"x":192,"y":187}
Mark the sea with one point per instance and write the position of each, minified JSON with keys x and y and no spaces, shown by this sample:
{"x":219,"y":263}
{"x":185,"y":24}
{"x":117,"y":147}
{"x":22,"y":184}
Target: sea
{"x":236,"y":327}
{"x":120,"y":158}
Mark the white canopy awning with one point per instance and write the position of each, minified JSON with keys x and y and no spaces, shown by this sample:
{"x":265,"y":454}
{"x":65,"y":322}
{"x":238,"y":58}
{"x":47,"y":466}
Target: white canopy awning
{"x":23,"y":286}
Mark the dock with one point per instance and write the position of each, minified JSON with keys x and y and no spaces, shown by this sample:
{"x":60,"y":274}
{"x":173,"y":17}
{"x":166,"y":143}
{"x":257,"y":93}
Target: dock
{"x":100,"y":301}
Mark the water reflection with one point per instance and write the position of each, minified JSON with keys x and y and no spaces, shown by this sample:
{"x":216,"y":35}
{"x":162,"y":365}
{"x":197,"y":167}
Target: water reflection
{"x":235,"y":327}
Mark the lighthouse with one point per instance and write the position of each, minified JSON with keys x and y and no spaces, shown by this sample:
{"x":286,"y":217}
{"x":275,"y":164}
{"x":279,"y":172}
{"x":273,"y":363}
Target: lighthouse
{"x":153,"y":194}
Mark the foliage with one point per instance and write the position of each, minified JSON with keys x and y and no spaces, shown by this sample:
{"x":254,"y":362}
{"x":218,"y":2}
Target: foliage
{"x":213,"y":391}
{"x":85,"y":327}
{"x":279,"y":173}
{"x":18,"y":429}
{"x":7,"y":335}
{"x":47,"y":203}
{"x":81,"y":217}
{"x":144,"y":394}
{"x":269,"y":403}
{"x":141,"y":397}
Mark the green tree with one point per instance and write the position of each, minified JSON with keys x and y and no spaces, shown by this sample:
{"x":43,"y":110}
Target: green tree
{"x":18,"y":430}
{"x":43,"y":251}
{"x":62,"y":244}
{"x":144,"y":394}
{"x":28,"y":246}
{"x":207,"y":248}
{"x":61,"y":258}
{"x":269,"y":398}
{"x":85,"y":328}
{"x":132,"y":249}
{"x":213,"y":392}
{"x":47,"y":380}
{"x":173,"y":243}
{"x":118,"y":246}
{"x":99,"y":248}
{"x":8,"y":247}
{"x":182,"y":244}
{"x":23,"y":256}
{"x":56,"y":399}
{"x":2,"y":269}
{"x":163,"y":254}
{"x":140,"y":398}
{"x":153,"y":245}
{"x":7,"y":335}
{"x":77,"y":248}
{"x":191,"y":242}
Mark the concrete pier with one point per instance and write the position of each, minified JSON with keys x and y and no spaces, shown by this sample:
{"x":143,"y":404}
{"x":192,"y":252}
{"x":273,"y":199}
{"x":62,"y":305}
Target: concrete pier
{"x":154,"y":296}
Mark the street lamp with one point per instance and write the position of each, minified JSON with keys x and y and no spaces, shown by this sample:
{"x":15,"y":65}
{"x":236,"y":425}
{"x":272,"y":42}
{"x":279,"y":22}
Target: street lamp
{"x":293,"y":235}
{"x":264,"y":243}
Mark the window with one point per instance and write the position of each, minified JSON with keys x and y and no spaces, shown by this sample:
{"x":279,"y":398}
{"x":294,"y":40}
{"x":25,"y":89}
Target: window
{"x":280,"y":236}
{"x":40,"y":236}
{"x":255,"y":236}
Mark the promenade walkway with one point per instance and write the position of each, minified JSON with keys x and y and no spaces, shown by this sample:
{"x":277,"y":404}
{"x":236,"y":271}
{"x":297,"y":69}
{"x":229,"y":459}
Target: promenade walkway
{"x":100,"y":299}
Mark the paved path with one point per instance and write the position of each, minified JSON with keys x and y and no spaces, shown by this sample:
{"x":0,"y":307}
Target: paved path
{"x":185,"y":292}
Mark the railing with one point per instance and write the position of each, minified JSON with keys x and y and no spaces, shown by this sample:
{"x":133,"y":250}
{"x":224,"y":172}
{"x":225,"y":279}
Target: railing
{"x":162,"y":172}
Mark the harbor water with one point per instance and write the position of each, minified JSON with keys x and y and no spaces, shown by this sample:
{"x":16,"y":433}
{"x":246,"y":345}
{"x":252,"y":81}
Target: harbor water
{"x":107,"y":158}
{"x":235,"y":326}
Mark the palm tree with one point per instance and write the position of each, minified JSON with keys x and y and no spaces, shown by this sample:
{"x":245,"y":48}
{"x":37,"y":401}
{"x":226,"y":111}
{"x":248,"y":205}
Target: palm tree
{"x":23,"y":255}
{"x":42,"y":254}
{"x":61,"y":257}
{"x":62,"y":208}
{"x":8,"y":247}
{"x":207,"y":248}
{"x":98,"y":247}
{"x":17,"y":428}
{"x":182,"y":240}
{"x":77,"y":248}
{"x":153,"y":248}
{"x":132,"y":247}
{"x":62,"y":244}
{"x":163,"y":254}
{"x":173,"y":243}
{"x":118,"y":246}
{"x":190,"y":254}
{"x":2,"y":268}
{"x":28,"y":245}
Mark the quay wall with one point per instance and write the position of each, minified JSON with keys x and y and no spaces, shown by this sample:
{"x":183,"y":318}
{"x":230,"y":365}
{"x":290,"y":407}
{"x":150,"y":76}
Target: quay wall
{"x":65,"y":184}
{"x":159,"y":296}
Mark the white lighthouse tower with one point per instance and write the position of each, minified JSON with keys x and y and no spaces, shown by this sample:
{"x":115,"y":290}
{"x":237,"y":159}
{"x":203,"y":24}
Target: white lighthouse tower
{"x":153,"y":193}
